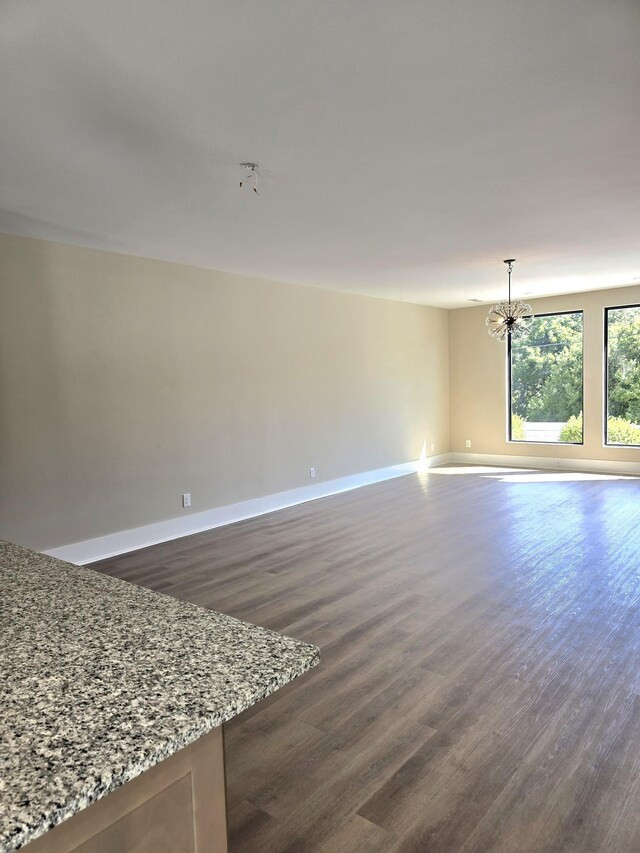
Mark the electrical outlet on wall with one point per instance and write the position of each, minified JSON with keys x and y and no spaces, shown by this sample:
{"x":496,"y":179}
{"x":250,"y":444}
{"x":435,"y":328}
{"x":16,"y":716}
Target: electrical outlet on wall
{"x":467,"y":443}
{"x":186,"y":500}
{"x":312,"y":473}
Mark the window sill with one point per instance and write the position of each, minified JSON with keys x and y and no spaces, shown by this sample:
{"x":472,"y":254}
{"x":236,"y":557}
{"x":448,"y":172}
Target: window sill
{"x":518,"y":442}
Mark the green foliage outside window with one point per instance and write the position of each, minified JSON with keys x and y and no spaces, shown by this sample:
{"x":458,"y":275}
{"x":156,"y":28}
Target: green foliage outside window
{"x":546,"y":369}
{"x":517,"y":428}
{"x":546,"y":376}
{"x":619,"y":431}
{"x":572,"y":430}
{"x":623,"y":371}
{"x":622,"y":431}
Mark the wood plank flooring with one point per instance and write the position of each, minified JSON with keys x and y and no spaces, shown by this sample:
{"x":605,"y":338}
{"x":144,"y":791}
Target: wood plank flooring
{"x":480,"y":674}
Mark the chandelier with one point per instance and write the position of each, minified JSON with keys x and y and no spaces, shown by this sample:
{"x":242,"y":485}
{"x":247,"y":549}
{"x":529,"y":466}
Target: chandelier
{"x":509,"y":319}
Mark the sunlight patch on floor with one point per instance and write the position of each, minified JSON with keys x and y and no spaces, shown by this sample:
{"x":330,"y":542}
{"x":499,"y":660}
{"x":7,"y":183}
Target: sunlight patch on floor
{"x":530,"y":475}
{"x":557,"y":476}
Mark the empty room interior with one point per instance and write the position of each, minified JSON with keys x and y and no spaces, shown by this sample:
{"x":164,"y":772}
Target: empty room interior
{"x":320,"y":426}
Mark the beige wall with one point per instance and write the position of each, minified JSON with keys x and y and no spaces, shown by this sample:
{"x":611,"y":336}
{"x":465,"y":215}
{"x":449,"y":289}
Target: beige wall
{"x":478,"y":380}
{"x":127,"y":381}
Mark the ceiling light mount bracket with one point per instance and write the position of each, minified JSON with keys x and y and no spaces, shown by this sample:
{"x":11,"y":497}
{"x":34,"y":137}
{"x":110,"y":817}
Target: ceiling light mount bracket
{"x":251,"y":178}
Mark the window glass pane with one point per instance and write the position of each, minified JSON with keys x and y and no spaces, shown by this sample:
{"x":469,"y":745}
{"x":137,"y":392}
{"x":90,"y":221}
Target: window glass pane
{"x":623,"y":375}
{"x":546,"y":380}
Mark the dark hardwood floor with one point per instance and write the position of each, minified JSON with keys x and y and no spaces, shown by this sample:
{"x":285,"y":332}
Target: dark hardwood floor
{"x":480,"y":674}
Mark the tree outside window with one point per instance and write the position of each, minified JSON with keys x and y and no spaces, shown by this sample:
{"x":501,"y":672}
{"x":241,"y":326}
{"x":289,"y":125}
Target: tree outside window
{"x":622,"y":331}
{"x":546,"y":380}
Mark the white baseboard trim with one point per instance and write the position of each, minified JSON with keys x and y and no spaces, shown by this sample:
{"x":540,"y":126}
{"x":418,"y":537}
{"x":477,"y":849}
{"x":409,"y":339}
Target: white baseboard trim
{"x":112,"y":544}
{"x":593,"y":466}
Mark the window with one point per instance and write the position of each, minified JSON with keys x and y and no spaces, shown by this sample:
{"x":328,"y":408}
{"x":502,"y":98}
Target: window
{"x":545,"y":380}
{"x":622,"y":378}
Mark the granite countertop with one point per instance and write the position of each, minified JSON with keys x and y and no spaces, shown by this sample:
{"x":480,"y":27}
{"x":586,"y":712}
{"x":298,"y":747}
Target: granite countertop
{"x":102,"y":679}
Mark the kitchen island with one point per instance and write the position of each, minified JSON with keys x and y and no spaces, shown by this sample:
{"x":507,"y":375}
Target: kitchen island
{"x":112,"y":700}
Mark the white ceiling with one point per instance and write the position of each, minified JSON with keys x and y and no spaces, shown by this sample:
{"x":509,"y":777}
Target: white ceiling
{"x":407,"y":147}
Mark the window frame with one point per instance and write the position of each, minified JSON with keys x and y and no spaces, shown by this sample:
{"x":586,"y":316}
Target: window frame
{"x":605,"y":422}
{"x":519,"y":441}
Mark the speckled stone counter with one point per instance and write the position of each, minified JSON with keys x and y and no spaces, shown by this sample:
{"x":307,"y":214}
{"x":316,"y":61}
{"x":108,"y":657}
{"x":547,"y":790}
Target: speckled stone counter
{"x":101,"y":680}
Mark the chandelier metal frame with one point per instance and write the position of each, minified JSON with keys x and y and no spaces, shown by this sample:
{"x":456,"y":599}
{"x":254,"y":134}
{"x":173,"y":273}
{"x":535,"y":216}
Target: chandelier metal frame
{"x":509,"y":318}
